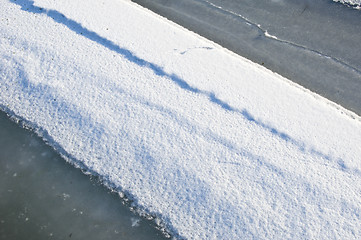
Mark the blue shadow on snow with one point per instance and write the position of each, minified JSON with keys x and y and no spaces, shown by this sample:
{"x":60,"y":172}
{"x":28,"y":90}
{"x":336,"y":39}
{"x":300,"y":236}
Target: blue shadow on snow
{"x":28,"y":5}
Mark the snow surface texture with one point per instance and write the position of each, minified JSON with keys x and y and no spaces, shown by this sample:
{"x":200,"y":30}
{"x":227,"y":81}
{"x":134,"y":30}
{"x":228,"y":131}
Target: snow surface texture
{"x":214,"y":145}
{"x":355,"y":3}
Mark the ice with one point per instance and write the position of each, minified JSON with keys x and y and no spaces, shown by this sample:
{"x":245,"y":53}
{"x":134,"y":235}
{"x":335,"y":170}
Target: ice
{"x":135,"y":222}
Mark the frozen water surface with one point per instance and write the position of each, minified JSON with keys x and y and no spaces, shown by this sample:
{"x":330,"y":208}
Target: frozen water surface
{"x":44,"y":197}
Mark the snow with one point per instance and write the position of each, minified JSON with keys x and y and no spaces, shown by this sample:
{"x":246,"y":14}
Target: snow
{"x":355,"y":3}
{"x":213,"y":145}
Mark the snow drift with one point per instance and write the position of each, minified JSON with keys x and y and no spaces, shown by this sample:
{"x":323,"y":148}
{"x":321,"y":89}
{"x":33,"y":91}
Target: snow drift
{"x":354,"y":3}
{"x":215,"y":146}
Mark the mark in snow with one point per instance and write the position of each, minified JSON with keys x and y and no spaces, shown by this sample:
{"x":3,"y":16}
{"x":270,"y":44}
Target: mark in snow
{"x":189,"y":49}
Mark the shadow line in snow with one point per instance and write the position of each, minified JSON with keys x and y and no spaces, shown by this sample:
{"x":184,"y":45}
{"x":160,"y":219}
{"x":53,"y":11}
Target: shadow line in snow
{"x":28,"y":5}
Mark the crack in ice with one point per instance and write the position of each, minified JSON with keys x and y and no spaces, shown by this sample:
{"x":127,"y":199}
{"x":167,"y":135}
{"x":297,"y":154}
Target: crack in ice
{"x":275,"y":38}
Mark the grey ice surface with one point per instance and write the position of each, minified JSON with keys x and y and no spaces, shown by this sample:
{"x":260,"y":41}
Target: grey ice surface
{"x":315,"y":43}
{"x":43,"y":197}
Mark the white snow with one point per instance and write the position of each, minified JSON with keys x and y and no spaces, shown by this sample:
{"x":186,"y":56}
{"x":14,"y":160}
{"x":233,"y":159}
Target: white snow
{"x":215,"y":146}
{"x":355,"y":3}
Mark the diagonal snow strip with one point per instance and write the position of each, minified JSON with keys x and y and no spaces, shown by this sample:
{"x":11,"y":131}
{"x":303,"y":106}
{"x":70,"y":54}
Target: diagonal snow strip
{"x":216,"y":146}
{"x":76,"y":27}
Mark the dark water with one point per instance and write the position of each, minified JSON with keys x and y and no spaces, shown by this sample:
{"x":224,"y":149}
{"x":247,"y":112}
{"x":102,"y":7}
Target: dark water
{"x":43,"y":197}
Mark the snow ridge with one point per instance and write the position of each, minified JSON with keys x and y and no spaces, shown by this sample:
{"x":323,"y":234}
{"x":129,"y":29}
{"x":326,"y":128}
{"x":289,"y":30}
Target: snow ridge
{"x":352,"y":3}
{"x":127,"y":54}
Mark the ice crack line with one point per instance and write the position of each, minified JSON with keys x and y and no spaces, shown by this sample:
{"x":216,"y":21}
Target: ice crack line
{"x":272,"y":37}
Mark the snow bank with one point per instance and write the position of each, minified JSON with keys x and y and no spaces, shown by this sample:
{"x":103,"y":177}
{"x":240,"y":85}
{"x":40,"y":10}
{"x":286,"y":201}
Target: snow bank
{"x":355,"y":3}
{"x":214,"y":145}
